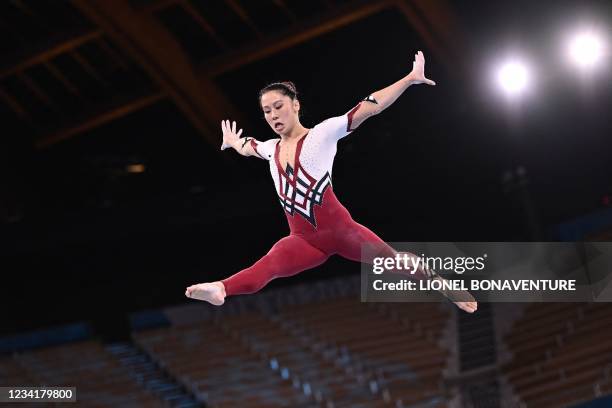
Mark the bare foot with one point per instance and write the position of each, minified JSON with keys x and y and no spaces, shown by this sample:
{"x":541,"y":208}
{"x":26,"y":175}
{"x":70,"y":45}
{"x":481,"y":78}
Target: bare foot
{"x":469,"y":307}
{"x":462,"y":298}
{"x":212,"y":292}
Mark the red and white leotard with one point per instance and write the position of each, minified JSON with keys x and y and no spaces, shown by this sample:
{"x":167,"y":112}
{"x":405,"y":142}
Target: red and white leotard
{"x":319,"y":225}
{"x":301,"y":189}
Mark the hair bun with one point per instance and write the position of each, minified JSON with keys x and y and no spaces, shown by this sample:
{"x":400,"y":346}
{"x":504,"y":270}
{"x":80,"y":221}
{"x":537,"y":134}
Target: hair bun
{"x":290,"y":85}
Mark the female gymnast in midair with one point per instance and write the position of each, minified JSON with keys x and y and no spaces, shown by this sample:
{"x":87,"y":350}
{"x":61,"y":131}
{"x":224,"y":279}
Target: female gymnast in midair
{"x":301,"y":165}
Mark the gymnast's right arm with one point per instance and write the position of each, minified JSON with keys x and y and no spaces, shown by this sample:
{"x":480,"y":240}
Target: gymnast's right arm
{"x":245,"y":146}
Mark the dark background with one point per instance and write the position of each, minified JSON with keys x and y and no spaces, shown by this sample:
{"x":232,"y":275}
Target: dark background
{"x":84,"y":239}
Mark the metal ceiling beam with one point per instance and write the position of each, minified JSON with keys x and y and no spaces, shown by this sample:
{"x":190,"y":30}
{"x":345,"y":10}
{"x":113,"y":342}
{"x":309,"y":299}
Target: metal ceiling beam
{"x":149,"y":43}
{"x":206,"y":26}
{"x":290,"y":14}
{"x":57,"y":74}
{"x":38,"y":57}
{"x":36,"y":90}
{"x":98,"y":118}
{"x":244,"y":16}
{"x":421,"y":26}
{"x":301,"y":32}
{"x":142,"y":37}
{"x":439,"y":15}
{"x":13,"y":104}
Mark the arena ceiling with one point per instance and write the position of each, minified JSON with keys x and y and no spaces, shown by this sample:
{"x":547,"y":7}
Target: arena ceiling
{"x":69,"y":67}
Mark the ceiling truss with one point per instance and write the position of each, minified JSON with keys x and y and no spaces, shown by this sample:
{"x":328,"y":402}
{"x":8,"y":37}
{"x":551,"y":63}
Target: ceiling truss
{"x":128,"y":35}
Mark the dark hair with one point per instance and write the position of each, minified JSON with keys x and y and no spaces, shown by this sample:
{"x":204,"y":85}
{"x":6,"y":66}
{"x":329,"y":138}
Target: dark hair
{"x":286,"y":88}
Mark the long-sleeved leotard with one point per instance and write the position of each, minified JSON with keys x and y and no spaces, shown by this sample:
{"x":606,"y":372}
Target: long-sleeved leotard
{"x":319,"y":225}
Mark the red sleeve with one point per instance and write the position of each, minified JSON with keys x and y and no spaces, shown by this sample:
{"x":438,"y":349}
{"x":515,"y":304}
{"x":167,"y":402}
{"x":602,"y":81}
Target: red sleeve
{"x":350,"y":117}
{"x":254,"y":146}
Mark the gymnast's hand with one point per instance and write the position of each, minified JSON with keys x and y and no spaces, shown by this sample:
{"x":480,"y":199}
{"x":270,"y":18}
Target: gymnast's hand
{"x":230,"y":137}
{"x":417,"y":75}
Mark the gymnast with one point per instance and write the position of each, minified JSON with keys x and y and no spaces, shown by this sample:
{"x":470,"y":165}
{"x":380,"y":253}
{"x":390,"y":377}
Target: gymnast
{"x":301,"y":161}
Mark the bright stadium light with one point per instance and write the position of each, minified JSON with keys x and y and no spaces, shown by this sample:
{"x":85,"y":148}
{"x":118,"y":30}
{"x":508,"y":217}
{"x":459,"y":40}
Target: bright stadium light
{"x":586,"y":49}
{"x":513,"y":77}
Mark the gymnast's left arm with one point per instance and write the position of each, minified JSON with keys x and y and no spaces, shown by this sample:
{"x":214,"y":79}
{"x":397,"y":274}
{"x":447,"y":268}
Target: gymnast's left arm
{"x":381,"y":100}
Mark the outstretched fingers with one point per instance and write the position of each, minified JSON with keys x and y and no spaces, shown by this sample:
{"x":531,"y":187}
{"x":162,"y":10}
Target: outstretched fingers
{"x":224,"y":145}
{"x":419,"y":60}
{"x":227,"y":127}
{"x":229,"y":133}
{"x":418,"y":66}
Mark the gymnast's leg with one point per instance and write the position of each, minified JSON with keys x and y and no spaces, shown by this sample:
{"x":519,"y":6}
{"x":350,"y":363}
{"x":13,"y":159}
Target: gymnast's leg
{"x":289,"y":256}
{"x":356,"y":235}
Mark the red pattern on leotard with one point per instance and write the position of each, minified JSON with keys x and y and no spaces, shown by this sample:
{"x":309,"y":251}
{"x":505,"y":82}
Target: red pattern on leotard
{"x":320,"y":226}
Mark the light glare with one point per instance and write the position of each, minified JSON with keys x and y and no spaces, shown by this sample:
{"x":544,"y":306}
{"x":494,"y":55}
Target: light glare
{"x":586,"y":49}
{"x":513,"y":77}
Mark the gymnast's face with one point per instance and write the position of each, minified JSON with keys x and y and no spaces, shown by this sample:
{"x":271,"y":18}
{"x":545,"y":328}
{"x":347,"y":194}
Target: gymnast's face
{"x":280,"y":111}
